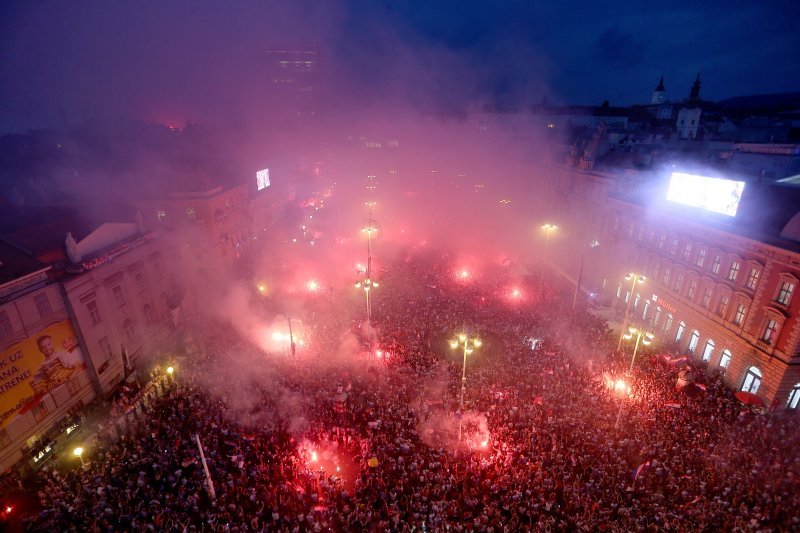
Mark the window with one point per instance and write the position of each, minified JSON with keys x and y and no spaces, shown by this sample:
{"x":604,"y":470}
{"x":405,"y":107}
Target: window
{"x":725,"y":360}
{"x":641,"y":233}
{"x":161,"y":215}
{"x":794,"y":400}
{"x":692,"y":287}
{"x":752,"y":278}
{"x":94,"y":313}
{"x":687,"y":251}
{"x":752,"y":380}
{"x":43,"y":305}
{"x":119,"y":297}
{"x":106,"y":347}
{"x":6,"y":329}
{"x":676,"y":286}
{"x":149,"y":315}
{"x":681,"y":329}
{"x":716,"y":263}
{"x":665,"y":278}
{"x":661,"y":241}
{"x":770,"y":331}
{"x":636,"y":301}
{"x":668,"y":323}
{"x":701,"y":258}
{"x":40,"y":412}
{"x":646,"y":307}
{"x":693,"y":340}
{"x":707,"y":297}
{"x":651,"y":237}
{"x":139,"y":277}
{"x":630,"y":229}
{"x":733,"y":273}
{"x":619,"y":291}
{"x":708,"y":350}
{"x":654,"y":272}
{"x":738,"y":318}
{"x":616,"y":224}
{"x":785,"y":294}
{"x":127,"y":327}
{"x":722,"y":306}
{"x":657,"y":317}
{"x":673,"y":248}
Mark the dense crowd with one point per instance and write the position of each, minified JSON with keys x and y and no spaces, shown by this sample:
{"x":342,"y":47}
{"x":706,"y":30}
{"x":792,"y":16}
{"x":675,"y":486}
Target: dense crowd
{"x":545,"y":440}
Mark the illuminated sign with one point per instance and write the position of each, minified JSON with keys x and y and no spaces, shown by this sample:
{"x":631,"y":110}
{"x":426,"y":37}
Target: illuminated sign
{"x":262,"y":179}
{"x":35,"y":367}
{"x":712,"y":194}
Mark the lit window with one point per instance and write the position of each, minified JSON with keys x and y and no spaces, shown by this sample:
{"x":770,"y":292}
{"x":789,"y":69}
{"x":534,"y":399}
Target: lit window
{"x":794,"y":400}
{"x":673,"y":248}
{"x":725,"y":360}
{"x":6,"y":329}
{"x":715,"y":265}
{"x":741,"y":310}
{"x":687,"y":251}
{"x":681,"y":329}
{"x":693,"y":340}
{"x":707,"y":296}
{"x":770,"y":330}
{"x":785,"y":294}
{"x":161,"y":215}
{"x":43,"y":305}
{"x":722,"y":307}
{"x":701,"y":258}
{"x":752,"y":380}
{"x":691,"y":289}
{"x":733,"y":273}
{"x":661,"y":241}
{"x":708,"y":350}
{"x":752,"y":278}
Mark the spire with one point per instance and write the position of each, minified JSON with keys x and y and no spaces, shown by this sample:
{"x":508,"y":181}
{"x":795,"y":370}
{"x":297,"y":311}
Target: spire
{"x":661,"y":84}
{"x":694,"y":95}
{"x":659,"y":93}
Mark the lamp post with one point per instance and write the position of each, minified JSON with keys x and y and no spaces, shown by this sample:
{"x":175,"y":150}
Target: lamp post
{"x":367,"y":284}
{"x":634,"y":278}
{"x":591,"y":245}
{"x":643,"y":337}
{"x":79,"y":454}
{"x":548,"y":228}
{"x":470,"y":343}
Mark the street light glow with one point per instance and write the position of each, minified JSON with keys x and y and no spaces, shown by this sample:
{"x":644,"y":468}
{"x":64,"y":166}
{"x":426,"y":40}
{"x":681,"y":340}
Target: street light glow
{"x":78,"y":451}
{"x":170,"y":370}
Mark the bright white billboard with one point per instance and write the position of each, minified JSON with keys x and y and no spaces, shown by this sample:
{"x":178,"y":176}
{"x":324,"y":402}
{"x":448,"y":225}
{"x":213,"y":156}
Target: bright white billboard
{"x":712,"y":194}
{"x":262,"y":178}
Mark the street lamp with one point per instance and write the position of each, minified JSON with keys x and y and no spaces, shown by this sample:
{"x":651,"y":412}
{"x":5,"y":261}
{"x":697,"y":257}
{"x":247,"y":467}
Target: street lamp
{"x":590,"y":245}
{"x":470,"y":343}
{"x":170,"y":370}
{"x":548,"y":228}
{"x":643,"y":337}
{"x":634,"y":278}
{"x":367,"y":284}
{"x":78,"y":452}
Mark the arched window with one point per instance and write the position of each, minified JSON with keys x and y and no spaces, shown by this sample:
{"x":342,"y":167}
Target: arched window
{"x":708,"y":350}
{"x":681,"y":329}
{"x":646,"y":307}
{"x":668,"y":323}
{"x":752,"y":380}
{"x":794,"y":397}
{"x":693,"y":341}
{"x":127,"y":326}
{"x":657,"y":317}
{"x":636,"y":301}
{"x":725,"y":360}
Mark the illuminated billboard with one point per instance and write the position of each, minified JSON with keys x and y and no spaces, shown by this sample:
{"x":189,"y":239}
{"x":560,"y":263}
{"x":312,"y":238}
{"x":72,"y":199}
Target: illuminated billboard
{"x":262,"y":178}
{"x":35,"y":367}
{"x":712,"y":194}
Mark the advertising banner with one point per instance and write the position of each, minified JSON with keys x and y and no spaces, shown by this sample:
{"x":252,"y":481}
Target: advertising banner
{"x":31,"y":369}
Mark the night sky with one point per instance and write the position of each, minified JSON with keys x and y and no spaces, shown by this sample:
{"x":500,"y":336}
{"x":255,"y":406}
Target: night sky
{"x":203,"y":60}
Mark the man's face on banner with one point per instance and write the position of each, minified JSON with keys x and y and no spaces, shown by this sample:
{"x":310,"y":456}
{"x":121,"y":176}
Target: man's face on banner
{"x":46,"y":347}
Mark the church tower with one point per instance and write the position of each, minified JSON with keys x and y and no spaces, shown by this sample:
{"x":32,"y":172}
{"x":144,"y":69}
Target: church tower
{"x":694,"y":95}
{"x":659,"y":94}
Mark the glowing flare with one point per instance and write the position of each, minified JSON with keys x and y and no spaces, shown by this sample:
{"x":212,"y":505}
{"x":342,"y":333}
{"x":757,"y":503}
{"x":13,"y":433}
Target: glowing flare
{"x":312,"y":285}
{"x":620,"y":385}
{"x":485,"y":443}
{"x":313,"y":456}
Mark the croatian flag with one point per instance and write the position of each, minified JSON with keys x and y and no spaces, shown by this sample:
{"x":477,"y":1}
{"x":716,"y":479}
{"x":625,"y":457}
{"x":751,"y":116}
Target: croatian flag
{"x":640,"y":469}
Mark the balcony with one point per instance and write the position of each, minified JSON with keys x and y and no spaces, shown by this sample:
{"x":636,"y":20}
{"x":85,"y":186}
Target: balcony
{"x":764,"y":345}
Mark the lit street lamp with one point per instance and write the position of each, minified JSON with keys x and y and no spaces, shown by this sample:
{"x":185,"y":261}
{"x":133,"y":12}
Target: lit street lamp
{"x":548,"y":228}
{"x":643,"y":337}
{"x":470,"y":343}
{"x":634,"y":278}
{"x":78,"y":452}
{"x":367,"y":284}
{"x":590,"y":245}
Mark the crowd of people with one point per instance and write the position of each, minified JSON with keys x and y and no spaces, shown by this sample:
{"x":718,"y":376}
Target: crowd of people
{"x":546,"y":438}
